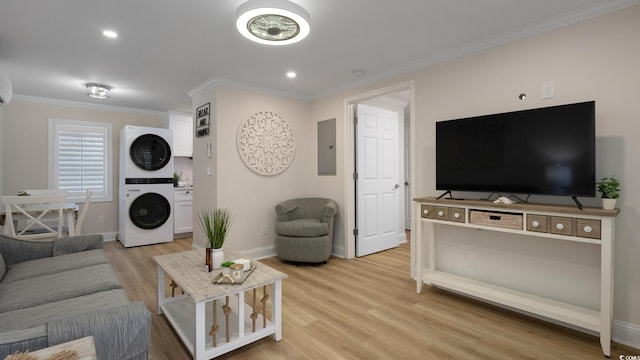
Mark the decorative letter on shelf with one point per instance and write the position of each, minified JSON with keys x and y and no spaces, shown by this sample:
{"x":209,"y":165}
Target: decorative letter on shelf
{"x":266,"y":143}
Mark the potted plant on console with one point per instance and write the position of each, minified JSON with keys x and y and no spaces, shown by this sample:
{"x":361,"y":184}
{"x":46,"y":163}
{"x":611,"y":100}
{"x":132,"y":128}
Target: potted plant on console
{"x":609,"y":187}
{"x":215,"y":225}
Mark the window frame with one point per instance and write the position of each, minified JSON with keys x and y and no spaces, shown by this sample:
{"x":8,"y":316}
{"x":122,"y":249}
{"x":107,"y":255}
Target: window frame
{"x":55,"y":126}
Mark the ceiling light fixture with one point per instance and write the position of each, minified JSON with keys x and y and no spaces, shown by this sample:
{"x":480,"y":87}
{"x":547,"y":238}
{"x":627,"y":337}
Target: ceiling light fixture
{"x":273,"y":22}
{"x":110,"y":34}
{"x":98,"y":91}
{"x":291,"y":74}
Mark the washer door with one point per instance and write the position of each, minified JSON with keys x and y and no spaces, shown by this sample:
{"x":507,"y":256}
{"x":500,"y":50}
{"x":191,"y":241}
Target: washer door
{"x":150,"y":152}
{"x":149,"y":211}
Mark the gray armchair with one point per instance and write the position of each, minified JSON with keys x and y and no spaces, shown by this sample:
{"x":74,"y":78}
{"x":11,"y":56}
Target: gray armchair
{"x":304,"y":231}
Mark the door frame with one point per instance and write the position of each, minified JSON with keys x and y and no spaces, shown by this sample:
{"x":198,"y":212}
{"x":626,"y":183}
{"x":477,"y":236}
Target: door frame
{"x":349,"y":163}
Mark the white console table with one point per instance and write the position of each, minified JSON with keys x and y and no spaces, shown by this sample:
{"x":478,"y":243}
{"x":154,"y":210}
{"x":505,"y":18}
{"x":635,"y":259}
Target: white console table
{"x":565,"y":223}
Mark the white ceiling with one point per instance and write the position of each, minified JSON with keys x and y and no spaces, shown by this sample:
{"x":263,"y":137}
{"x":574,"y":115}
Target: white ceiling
{"x":166,"y":48}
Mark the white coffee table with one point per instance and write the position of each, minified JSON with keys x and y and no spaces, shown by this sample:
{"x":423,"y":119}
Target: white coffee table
{"x":213,"y":319}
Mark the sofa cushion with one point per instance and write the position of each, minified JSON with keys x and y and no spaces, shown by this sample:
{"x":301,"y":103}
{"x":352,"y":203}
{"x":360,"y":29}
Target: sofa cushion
{"x":55,"y":287}
{"x":54,"y":265}
{"x":15,"y":250}
{"x":80,"y":243}
{"x":34,"y":316}
{"x":302,"y":228}
{"x":3,"y":267}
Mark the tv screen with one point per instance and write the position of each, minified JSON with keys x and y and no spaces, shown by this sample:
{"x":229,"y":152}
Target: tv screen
{"x":545,"y":151}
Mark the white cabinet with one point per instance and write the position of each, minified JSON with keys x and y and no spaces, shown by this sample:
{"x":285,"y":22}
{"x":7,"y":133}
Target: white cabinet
{"x":183,"y":211}
{"x":182,"y":125}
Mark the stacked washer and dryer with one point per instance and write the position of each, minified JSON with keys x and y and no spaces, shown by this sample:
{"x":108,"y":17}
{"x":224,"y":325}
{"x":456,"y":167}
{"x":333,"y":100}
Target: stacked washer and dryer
{"x":146,"y":186}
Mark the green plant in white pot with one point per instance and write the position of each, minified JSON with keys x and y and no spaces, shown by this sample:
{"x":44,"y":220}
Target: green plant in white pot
{"x":215,"y":225}
{"x":609,"y":187}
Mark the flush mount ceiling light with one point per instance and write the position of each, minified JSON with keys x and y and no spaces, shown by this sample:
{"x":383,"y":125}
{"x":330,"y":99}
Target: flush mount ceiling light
{"x":98,"y":91}
{"x":110,"y":34}
{"x":273,"y":22}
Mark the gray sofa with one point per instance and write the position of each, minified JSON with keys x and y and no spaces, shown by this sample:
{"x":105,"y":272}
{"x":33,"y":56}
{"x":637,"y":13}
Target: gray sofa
{"x":63,"y":289}
{"x":304,"y":231}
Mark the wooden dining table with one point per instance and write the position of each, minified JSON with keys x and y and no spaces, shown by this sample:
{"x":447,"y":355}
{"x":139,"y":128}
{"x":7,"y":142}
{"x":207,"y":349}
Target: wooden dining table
{"x":69,"y":211}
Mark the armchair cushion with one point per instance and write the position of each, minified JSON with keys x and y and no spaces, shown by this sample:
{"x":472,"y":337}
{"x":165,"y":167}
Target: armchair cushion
{"x":286,"y":207}
{"x":302,"y":228}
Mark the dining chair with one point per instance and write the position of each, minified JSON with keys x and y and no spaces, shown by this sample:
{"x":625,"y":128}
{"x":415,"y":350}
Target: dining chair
{"x":37,"y":211}
{"x":83,"y":213}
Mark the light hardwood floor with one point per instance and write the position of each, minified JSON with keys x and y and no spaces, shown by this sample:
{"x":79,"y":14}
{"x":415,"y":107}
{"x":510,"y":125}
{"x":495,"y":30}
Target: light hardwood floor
{"x":367,"y":309}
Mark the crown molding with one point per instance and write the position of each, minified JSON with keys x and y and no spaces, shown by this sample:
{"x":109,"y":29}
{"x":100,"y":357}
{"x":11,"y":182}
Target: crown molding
{"x":214,"y":80}
{"x":79,"y":104}
{"x":483,"y":44}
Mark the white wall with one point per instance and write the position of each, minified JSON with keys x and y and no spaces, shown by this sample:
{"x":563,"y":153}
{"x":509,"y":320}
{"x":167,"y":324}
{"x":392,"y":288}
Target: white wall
{"x":205,"y":188}
{"x":25,"y":147}
{"x":1,"y":150}
{"x":250,"y":196}
{"x":591,"y":60}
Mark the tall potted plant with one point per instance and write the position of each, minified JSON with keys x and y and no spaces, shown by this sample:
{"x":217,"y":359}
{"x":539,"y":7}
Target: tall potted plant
{"x":215,"y":225}
{"x":609,"y":187}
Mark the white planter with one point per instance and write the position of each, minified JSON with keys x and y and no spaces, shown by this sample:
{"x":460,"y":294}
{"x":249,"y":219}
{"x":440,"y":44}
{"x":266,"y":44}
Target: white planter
{"x":608,"y":204}
{"x":217,"y":258}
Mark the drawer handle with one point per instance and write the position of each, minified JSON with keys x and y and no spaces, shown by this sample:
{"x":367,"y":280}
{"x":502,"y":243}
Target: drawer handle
{"x":535,"y":224}
{"x":440,"y":213}
{"x":559,"y":226}
{"x":426,"y":212}
{"x":456,"y":215}
{"x":588,"y":229}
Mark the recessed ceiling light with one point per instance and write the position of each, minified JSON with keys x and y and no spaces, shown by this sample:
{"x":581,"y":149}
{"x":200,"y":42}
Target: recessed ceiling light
{"x":110,"y":34}
{"x":291,"y":74}
{"x":357,"y":72}
{"x":98,"y":91}
{"x":273,"y":22}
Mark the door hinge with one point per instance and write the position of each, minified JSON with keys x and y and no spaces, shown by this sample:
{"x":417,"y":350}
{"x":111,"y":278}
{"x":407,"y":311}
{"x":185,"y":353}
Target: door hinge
{"x":355,"y":232}
{"x":355,"y":176}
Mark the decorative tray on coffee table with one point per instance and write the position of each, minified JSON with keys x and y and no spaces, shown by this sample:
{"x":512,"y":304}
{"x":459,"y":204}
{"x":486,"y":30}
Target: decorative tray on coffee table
{"x":221,"y":279}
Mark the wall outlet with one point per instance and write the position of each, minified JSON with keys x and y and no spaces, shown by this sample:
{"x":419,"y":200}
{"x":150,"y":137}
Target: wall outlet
{"x":101,"y":219}
{"x":548,"y":90}
{"x":264,"y":230}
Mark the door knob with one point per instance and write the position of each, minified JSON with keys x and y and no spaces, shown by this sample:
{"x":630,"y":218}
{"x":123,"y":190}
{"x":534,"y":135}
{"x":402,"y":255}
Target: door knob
{"x":396,"y":186}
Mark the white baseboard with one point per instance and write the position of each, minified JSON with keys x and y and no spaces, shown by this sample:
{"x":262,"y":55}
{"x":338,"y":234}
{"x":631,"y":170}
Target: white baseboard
{"x":338,"y":251}
{"x":110,"y":236}
{"x":260,"y":253}
{"x":626,"y":333}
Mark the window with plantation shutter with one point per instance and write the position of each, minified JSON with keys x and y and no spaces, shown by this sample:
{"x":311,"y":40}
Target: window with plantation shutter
{"x":80,"y":158}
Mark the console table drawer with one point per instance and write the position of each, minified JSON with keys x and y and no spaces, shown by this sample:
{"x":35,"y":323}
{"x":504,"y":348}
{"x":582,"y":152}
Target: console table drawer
{"x":562,"y":225}
{"x":538,"y":223}
{"x":588,"y":228}
{"x":457,"y":215}
{"x":497,"y":219}
{"x":427,"y":211}
{"x":442,"y":213}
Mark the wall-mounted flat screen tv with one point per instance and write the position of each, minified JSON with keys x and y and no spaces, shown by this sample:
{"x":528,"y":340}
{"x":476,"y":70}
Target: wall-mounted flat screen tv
{"x":544,"y":151}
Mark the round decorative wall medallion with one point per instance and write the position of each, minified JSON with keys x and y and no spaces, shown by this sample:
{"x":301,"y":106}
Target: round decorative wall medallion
{"x":266,"y":143}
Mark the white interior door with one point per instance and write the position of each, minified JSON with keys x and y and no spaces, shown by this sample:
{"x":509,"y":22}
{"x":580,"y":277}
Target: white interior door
{"x":377,"y":184}
{"x":408,"y":204}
